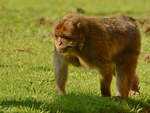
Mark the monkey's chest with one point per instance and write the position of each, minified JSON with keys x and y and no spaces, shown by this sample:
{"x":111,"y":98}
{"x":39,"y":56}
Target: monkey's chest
{"x":84,"y":63}
{"x":79,"y":61}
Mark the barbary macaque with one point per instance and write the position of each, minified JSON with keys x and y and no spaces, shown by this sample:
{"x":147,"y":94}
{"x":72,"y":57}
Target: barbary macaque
{"x":106,"y":44}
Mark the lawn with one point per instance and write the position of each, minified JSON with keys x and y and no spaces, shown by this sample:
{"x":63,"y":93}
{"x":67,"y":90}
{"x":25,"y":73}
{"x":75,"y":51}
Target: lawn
{"x":27,"y":83}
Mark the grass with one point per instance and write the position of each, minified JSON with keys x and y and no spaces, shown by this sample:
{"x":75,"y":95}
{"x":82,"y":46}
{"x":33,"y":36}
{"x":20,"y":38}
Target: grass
{"x":27,"y":83}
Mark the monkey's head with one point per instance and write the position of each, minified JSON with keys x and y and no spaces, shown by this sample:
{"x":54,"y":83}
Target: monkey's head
{"x":70,"y":34}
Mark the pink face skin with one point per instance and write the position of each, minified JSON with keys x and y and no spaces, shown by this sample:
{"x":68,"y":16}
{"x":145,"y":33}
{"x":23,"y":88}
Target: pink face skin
{"x":61,"y":44}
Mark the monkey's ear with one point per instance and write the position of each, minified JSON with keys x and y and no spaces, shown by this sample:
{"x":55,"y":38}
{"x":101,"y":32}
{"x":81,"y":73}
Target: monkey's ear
{"x":81,"y":27}
{"x":78,"y":25}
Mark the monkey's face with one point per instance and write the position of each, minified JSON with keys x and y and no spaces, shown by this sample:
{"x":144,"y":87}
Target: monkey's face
{"x":68,"y":39}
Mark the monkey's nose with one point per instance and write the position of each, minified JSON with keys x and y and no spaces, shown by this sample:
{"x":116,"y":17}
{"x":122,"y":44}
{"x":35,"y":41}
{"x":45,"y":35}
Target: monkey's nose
{"x":59,"y":41}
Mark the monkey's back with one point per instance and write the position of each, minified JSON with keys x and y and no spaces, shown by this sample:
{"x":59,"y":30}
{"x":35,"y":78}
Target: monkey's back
{"x":113,"y":36}
{"x":123,"y":32}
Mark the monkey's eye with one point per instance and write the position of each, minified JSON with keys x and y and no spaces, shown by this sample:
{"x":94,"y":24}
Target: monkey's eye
{"x":67,"y":37}
{"x":56,"y":36}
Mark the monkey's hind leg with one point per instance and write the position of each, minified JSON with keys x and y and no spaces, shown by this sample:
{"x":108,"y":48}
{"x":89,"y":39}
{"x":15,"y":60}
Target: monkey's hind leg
{"x":135,"y":86}
{"x":125,"y":68}
{"x":61,"y":72}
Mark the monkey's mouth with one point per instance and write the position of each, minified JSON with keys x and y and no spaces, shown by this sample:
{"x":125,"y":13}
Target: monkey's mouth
{"x":65,"y":50}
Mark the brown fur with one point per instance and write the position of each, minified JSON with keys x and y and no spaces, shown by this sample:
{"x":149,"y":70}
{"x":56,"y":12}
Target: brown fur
{"x":105,"y":44}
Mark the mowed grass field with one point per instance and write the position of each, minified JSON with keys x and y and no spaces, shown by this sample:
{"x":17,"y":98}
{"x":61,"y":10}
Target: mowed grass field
{"x":27,"y":83}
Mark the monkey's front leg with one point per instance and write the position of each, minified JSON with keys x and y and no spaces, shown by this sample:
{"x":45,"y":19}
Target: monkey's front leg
{"x":107,"y":72}
{"x":61,"y":72}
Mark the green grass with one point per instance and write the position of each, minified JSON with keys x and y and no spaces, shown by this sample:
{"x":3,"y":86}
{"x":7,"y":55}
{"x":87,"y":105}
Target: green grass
{"x":27,"y":83}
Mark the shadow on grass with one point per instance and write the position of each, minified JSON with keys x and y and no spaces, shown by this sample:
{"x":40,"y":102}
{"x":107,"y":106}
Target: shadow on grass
{"x":81,"y":103}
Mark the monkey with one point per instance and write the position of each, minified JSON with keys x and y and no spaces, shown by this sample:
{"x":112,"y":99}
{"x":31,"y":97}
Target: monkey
{"x":106,"y":44}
